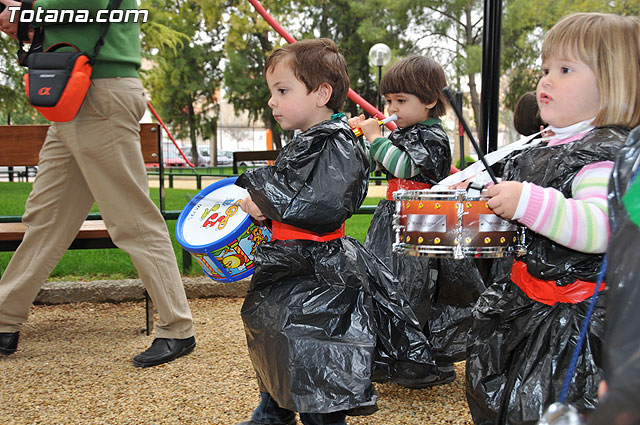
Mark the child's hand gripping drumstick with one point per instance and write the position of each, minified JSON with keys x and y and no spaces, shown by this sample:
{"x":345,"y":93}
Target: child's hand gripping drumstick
{"x":358,"y":131}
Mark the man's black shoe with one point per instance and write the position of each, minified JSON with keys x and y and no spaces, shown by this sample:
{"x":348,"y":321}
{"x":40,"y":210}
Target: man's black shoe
{"x":164,"y":350}
{"x":8,"y":342}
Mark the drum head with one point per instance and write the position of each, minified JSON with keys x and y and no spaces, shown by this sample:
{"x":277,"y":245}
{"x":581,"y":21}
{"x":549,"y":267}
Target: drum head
{"x":218,"y":234}
{"x":211,"y":217}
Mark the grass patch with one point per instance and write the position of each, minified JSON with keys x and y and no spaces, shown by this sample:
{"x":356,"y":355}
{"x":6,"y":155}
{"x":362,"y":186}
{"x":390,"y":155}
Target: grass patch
{"x":94,"y":264}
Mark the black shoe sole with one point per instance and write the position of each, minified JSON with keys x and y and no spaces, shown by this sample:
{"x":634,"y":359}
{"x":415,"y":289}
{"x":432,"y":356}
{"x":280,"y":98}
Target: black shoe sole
{"x":6,"y":352}
{"x":420,"y":385}
{"x":184,"y":352}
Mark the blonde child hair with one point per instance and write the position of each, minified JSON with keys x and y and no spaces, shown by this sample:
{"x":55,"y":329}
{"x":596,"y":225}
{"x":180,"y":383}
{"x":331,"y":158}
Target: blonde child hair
{"x":614,"y":59}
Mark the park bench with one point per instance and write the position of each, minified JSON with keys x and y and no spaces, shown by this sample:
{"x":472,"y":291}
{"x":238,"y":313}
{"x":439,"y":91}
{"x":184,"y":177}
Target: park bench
{"x":20,"y":146}
{"x":248,"y":156}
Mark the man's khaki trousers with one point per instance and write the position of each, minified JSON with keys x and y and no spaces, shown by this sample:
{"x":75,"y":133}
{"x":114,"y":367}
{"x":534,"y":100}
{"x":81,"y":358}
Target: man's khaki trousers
{"x":96,"y":157}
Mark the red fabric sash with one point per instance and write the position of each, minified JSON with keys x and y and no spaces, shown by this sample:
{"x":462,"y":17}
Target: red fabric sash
{"x":397,"y":184}
{"x":285,"y":232}
{"x":547,"y":292}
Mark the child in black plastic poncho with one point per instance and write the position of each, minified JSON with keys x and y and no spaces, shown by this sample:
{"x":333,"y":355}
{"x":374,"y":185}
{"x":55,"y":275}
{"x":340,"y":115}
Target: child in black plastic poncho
{"x":527,"y":322}
{"x":618,"y":402}
{"x":414,"y":157}
{"x":322,"y":316}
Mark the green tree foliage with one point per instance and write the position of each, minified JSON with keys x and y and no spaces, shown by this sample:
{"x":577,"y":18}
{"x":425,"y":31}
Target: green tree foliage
{"x":185,"y":52}
{"x":250,"y":40}
{"x":14,"y":107}
{"x":453,"y":30}
{"x":188,"y":42}
{"x":246,"y":47}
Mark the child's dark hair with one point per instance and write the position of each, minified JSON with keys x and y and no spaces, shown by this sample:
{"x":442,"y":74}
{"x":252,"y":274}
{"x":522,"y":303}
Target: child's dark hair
{"x":314,"y":62}
{"x":526,"y":116}
{"x":420,"y":76}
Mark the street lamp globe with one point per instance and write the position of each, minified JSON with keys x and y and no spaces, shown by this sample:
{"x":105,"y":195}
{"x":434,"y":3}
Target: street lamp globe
{"x":379,"y":54}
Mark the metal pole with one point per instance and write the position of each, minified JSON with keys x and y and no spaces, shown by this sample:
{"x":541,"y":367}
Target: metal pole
{"x":378,"y":173}
{"x":379,"y":94}
{"x":461,"y":132}
{"x":490,"y":75}
{"x":355,"y":97}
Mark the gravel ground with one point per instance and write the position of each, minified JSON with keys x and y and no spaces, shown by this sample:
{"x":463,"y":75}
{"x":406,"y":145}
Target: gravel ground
{"x":73,"y":366}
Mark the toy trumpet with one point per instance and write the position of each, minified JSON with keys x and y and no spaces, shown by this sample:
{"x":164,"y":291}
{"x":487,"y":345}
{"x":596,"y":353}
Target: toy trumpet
{"x":358,"y":131}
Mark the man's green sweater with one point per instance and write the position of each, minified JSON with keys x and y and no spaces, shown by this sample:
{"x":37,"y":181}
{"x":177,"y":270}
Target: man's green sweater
{"x":120,"y":54}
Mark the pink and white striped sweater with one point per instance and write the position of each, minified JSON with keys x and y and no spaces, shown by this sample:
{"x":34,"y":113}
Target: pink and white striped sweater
{"x":579,"y":222}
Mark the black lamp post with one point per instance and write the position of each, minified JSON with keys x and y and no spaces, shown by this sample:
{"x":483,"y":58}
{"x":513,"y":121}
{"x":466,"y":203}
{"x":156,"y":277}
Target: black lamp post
{"x":379,"y":55}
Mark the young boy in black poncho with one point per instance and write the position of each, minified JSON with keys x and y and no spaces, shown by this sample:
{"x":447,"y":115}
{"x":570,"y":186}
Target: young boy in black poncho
{"x":416,"y":155}
{"x":321,"y":312}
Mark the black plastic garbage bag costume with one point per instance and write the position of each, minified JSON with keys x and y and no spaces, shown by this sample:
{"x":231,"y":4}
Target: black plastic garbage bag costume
{"x":621,"y":403}
{"x":324,"y":319}
{"x":441,"y":292}
{"x":520,"y":349}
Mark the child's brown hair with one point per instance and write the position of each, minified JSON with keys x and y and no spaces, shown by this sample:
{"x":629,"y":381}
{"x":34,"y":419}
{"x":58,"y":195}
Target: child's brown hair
{"x":420,"y":76}
{"x":314,"y":62}
{"x":526,"y":115}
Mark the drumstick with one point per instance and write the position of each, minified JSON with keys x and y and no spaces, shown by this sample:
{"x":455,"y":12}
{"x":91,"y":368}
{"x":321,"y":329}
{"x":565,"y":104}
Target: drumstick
{"x":456,"y":108}
{"x":358,"y":131}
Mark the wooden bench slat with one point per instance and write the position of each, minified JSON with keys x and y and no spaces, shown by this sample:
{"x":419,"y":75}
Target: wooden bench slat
{"x":12,"y":231}
{"x":20,"y":144}
{"x":255,"y":155}
{"x":90,"y":229}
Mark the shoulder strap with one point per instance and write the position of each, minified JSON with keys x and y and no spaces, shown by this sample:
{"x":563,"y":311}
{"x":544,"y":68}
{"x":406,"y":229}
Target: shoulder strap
{"x":113,"y":4}
{"x":23,"y":35}
{"x":38,"y":36}
{"x":23,"y":27}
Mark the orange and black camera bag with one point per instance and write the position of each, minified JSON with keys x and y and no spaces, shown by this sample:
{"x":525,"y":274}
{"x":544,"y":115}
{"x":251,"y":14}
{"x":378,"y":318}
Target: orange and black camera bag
{"x":57,"y":82}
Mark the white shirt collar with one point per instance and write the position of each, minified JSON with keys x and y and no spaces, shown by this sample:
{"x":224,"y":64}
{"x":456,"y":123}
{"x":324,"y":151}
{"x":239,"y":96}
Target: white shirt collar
{"x":572,"y":130}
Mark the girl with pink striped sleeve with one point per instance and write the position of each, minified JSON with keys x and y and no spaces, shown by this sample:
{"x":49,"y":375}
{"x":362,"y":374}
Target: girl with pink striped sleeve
{"x":527,"y":322}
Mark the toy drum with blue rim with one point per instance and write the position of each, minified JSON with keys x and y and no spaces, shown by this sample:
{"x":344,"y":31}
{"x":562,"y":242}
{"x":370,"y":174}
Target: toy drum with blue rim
{"x":218,"y":234}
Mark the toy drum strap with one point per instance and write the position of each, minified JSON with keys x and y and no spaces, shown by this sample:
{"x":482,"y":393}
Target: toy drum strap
{"x":218,"y":234}
{"x":451,"y":224}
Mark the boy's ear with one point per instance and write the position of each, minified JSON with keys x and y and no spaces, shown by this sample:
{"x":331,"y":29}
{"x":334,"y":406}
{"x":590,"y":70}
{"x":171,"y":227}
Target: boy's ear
{"x":431,"y":105}
{"x":323,"y":94}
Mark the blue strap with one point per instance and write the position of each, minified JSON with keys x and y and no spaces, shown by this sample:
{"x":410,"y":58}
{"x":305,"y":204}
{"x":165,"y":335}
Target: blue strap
{"x":585,"y":324}
{"x":583,"y":333}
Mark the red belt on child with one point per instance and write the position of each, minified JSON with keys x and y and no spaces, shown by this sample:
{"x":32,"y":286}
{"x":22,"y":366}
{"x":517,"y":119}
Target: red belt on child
{"x":397,"y":184}
{"x":547,"y":291}
{"x":285,"y":232}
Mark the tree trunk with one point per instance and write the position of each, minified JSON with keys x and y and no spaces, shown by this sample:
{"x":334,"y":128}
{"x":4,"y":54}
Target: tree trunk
{"x":192,"y":134}
{"x":213,"y":143}
{"x":473,"y":88}
{"x":475,"y":105}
